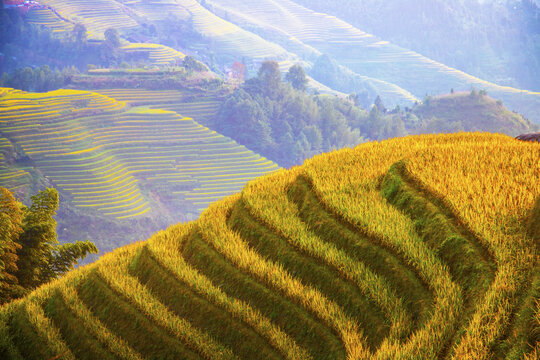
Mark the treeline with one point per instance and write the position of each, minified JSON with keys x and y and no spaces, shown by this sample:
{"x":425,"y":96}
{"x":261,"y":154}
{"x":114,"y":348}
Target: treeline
{"x":27,"y":45}
{"x":327,"y":71}
{"x":40,"y":79}
{"x":282,"y":121}
{"x":29,"y":251}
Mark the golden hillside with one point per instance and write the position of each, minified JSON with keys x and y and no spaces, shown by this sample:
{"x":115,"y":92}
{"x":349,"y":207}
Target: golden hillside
{"x":414,"y":248}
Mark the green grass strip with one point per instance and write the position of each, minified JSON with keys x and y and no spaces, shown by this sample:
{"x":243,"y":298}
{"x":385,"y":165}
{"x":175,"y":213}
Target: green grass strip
{"x":469,"y":263}
{"x":165,"y":248}
{"x":358,"y":245}
{"x":95,"y":327}
{"x":524,"y":331}
{"x":34,"y":334}
{"x":25,"y":337}
{"x":8,"y":349}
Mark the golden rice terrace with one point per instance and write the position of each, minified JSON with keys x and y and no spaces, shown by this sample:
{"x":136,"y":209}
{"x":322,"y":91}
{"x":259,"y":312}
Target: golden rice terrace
{"x":414,"y":248}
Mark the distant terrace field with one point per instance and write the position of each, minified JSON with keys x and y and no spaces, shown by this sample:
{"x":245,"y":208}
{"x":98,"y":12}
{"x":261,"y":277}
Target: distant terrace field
{"x":159,"y":55}
{"x":202,"y":107}
{"x":15,"y":179}
{"x":96,"y":15}
{"x":414,"y":248}
{"x":47,"y":18}
{"x":122,"y":162}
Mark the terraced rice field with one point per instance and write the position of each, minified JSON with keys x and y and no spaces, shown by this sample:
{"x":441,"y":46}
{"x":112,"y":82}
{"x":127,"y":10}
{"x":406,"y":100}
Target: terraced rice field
{"x":47,"y":18}
{"x":159,"y":55}
{"x":186,"y":160}
{"x":374,"y":252}
{"x":403,"y":72}
{"x":96,"y":15}
{"x":230,"y":38}
{"x":202,"y":107}
{"x":54,"y":130}
{"x":232,"y":41}
{"x":156,"y":10}
{"x":13,"y":178}
{"x":112,"y":160}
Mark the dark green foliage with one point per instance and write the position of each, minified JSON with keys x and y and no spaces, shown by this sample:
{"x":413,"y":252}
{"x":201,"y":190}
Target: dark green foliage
{"x":80,"y":33}
{"x":191,"y":64}
{"x":187,"y":304}
{"x":269,"y":78}
{"x":11,"y":217}
{"x":287,"y":125}
{"x":112,"y":37}
{"x":284,"y":124}
{"x":297,"y":77}
{"x":108,"y":50}
{"x":29,"y":251}
{"x":40,"y":79}
{"x":305,"y":329}
{"x":327,"y":71}
{"x":65,"y":255}
{"x":38,"y":240}
{"x":379,"y":125}
{"x":379,"y":104}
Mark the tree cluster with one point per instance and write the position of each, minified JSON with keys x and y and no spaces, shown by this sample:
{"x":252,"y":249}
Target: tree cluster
{"x":30,"y":254}
{"x":281,"y":121}
{"x":40,"y":79}
{"x":327,"y":71}
{"x":25,"y":44}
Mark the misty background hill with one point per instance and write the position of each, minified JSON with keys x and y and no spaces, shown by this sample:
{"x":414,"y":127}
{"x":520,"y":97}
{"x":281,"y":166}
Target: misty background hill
{"x":498,"y":40}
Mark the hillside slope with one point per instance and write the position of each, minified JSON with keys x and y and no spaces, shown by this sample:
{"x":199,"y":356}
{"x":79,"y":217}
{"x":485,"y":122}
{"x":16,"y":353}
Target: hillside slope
{"x":394,"y":249}
{"x":469,"y":111}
